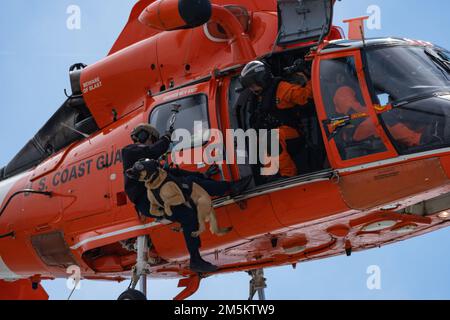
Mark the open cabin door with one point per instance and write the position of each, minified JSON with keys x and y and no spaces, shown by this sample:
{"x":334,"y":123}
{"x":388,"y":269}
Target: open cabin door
{"x":304,"y":21}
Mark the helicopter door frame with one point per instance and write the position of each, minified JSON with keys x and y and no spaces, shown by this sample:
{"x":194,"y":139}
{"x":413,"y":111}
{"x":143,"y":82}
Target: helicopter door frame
{"x":224,"y":113}
{"x":225,"y":89}
{"x":334,"y":156}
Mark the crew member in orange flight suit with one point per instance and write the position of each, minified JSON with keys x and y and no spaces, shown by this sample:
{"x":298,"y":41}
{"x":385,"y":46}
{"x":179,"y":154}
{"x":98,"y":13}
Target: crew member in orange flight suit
{"x":277,"y":101}
{"x":346,"y":103}
{"x":404,"y":135}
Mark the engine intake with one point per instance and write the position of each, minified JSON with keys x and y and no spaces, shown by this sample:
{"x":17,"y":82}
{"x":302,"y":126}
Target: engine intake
{"x":168,"y":15}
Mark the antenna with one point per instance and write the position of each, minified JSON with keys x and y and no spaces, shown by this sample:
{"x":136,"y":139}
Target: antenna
{"x":356,"y":28}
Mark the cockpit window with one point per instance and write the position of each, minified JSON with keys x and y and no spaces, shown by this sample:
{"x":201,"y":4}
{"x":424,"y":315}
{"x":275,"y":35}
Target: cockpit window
{"x":443,"y":53}
{"x":415,"y":82}
{"x":348,"y":123}
{"x":337,"y":75}
{"x":419,"y":125}
{"x":400,"y":72}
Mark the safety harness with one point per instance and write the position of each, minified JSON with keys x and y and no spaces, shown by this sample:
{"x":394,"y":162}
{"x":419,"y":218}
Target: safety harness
{"x":269,"y":116}
{"x":184,"y":185}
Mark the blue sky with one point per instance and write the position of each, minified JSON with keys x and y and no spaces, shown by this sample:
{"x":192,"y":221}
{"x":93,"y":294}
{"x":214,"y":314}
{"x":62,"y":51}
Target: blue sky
{"x":36,"y":51}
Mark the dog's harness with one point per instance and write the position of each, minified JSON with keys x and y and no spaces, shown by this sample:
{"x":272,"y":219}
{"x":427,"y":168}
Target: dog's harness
{"x":182,"y":184}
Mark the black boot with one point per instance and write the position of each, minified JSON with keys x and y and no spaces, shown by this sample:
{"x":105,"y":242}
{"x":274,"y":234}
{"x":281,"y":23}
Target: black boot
{"x":199,"y":265}
{"x":240,"y":186}
{"x":212,"y":171}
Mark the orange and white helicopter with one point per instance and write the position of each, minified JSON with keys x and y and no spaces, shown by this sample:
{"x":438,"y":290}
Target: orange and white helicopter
{"x":62,"y":200}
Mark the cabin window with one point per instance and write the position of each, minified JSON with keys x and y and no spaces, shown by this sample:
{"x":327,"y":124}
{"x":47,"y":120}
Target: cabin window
{"x":192,"y":116}
{"x":348,"y":123}
{"x":415,"y":83}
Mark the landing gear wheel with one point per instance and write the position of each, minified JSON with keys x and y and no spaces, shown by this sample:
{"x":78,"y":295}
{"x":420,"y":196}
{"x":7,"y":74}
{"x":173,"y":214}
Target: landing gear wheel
{"x":132,"y":294}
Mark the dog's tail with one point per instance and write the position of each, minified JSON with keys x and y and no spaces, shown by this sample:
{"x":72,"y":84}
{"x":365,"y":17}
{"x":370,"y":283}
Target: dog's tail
{"x":215,"y":228}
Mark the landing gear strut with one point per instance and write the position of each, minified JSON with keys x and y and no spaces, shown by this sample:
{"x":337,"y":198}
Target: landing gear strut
{"x":140,"y":272}
{"x":257,"y":284}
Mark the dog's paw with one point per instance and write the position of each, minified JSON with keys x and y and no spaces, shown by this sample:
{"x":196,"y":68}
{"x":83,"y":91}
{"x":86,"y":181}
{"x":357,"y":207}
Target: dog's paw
{"x":195,"y":234}
{"x":224,"y":231}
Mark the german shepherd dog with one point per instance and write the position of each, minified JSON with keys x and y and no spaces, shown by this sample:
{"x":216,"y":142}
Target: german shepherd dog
{"x":172,"y":196}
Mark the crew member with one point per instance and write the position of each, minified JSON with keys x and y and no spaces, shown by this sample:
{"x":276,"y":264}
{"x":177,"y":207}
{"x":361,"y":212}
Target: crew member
{"x":149,"y":145}
{"x":277,"y":103}
{"x":407,"y":131}
{"x":346,"y":103}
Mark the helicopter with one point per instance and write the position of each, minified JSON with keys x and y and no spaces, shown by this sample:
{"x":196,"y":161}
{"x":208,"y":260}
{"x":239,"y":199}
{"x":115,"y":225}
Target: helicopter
{"x":62,"y":199}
